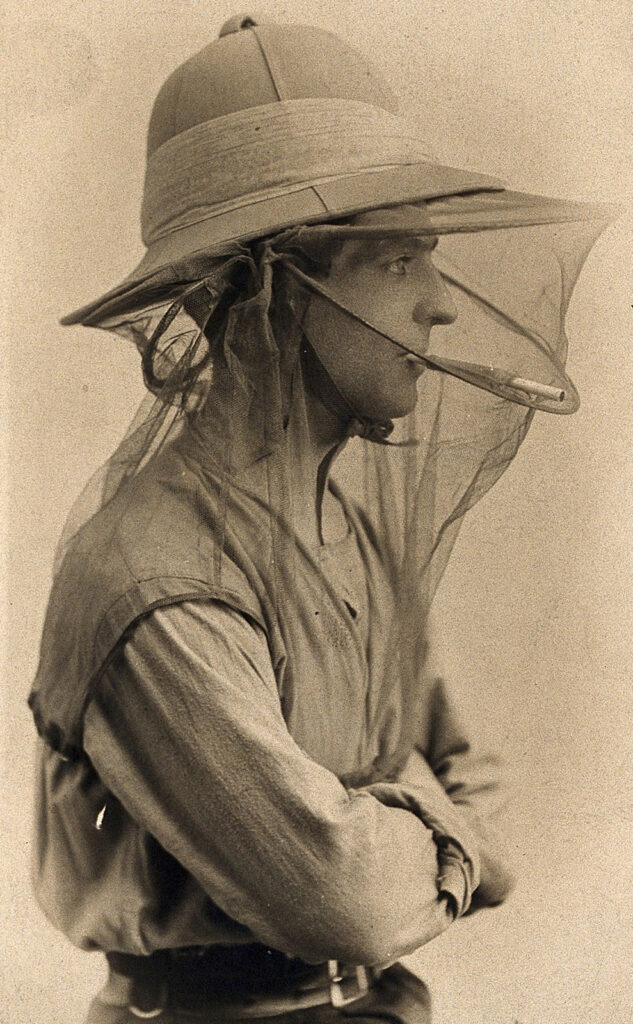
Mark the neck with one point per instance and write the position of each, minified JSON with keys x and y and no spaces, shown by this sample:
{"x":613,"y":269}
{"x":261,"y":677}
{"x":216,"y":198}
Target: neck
{"x":317,"y":514}
{"x":326,"y":429}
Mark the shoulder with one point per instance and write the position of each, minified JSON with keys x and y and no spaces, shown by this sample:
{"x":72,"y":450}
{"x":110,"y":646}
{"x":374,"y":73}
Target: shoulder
{"x":154,"y":545}
{"x":157,"y":542}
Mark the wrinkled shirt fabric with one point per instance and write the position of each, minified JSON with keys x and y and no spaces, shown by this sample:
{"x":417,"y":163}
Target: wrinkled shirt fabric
{"x":206,"y":806}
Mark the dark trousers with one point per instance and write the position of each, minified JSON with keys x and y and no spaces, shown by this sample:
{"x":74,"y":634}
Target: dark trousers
{"x":397,"y":997}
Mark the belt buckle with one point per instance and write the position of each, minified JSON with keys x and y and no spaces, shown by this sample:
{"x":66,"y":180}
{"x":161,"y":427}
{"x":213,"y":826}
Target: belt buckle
{"x":147,"y":1014}
{"x":340,"y":996}
{"x":154,"y":1011}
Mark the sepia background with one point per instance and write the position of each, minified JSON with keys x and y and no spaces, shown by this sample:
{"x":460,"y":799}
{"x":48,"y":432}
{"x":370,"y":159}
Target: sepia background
{"x":534,"y":615}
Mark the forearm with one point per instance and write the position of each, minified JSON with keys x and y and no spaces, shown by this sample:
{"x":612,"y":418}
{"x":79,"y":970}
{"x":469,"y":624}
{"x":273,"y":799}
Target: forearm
{"x":200,"y":756}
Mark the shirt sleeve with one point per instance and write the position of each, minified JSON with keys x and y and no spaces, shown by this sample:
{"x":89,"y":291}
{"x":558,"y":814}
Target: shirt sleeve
{"x":472,"y":780}
{"x":187,"y":732}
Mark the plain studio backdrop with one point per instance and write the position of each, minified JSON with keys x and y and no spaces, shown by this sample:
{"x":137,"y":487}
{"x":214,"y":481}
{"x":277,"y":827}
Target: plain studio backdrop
{"x":535,"y":611}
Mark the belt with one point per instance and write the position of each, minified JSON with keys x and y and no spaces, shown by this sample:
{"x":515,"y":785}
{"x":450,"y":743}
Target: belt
{"x":238,"y":982}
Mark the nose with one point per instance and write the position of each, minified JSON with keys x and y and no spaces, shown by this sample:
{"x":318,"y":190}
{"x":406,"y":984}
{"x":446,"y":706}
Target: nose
{"x":435,"y":304}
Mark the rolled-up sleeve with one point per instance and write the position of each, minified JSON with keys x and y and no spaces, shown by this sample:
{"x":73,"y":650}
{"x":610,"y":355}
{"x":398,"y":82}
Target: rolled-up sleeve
{"x":186,"y":730}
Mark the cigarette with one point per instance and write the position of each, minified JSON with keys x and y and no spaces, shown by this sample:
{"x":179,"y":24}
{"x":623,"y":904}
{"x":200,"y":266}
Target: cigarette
{"x":532,"y":387}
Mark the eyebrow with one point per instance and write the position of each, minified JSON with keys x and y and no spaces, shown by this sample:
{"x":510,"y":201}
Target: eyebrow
{"x":369,"y":248}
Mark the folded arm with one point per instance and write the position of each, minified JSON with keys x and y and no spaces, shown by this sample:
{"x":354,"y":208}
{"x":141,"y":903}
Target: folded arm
{"x":186,"y":730}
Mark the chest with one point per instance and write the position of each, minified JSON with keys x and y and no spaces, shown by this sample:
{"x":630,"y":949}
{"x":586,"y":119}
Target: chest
{"x":336,"y":624}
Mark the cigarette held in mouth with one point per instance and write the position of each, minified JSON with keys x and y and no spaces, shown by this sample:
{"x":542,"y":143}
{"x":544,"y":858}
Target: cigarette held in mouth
{"x":532,"y":387}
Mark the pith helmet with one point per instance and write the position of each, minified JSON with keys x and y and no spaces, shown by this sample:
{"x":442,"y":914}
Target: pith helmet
{"x":274,"y":125}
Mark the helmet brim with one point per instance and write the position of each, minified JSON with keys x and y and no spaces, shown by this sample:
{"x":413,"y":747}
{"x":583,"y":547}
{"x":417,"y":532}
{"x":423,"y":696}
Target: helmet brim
{"x":484,"y":204}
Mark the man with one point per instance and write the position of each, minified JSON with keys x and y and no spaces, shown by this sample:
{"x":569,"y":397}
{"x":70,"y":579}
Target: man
{"x":254,"y":797}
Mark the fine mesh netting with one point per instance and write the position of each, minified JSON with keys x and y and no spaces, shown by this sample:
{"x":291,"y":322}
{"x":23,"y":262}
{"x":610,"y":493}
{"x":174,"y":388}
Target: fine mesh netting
{"x":232,"y":387}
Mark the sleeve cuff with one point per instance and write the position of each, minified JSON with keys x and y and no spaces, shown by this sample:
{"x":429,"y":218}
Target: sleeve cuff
{"x":454,"y":881}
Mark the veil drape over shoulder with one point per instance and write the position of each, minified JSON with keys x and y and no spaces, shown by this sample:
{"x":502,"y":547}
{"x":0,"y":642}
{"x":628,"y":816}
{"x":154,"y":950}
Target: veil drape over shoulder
{"x":220,"y":338}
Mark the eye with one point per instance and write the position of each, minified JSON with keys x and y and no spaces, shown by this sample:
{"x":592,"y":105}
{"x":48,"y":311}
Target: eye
{"x":399,"y":266}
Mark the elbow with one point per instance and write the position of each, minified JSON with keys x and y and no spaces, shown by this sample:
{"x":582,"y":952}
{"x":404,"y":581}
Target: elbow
{"x":367,"y":936}
{"x":361,"y":921}
{"x":363,"y":896}
{"x":376,"y":946}
{"x":374,"y":906}
{"x":358,"y":936}
{"x":378,"y":935}
{"x":364,"y":921}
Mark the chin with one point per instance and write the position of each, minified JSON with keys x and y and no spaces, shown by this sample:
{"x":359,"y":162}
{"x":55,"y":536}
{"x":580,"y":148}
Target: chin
{"x":406,"y":407}
{"x":393,"y":408}
{"x":391,"y":411}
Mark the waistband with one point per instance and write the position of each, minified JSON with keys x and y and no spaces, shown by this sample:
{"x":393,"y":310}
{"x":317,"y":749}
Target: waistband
{"x":236,"y":982}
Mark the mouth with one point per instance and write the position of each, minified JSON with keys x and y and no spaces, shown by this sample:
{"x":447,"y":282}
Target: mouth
{"x":416,"y":364}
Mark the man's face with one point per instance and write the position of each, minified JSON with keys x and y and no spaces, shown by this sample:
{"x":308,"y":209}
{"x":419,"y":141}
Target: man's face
{"x":393,"y":284}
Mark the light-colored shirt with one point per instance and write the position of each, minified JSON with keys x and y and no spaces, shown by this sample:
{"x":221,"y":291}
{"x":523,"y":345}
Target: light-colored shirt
{"x":210,"y":808}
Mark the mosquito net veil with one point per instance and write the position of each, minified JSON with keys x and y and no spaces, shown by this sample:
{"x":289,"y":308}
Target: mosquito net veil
{"x":225,"y":356}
